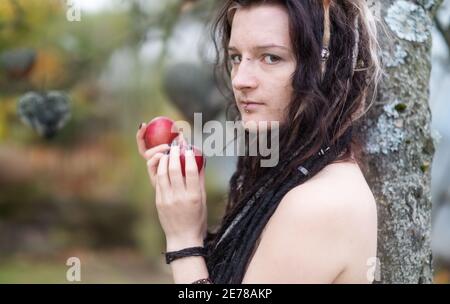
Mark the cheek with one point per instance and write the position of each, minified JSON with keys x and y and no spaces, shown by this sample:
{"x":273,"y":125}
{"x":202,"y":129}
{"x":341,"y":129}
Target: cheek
{"x":281,"y":93}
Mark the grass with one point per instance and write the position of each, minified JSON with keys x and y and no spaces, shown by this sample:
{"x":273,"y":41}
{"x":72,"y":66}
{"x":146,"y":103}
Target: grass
{"x":96,"y":267}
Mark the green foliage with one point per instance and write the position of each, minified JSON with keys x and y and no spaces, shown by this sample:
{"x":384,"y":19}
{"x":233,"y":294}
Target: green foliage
{"x":87,"y":188}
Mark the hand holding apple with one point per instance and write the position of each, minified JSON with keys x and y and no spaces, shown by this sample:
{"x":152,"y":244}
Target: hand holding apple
{"x":179,"y":182}
{"x":181,"y":200}
{"x":153,"y":141}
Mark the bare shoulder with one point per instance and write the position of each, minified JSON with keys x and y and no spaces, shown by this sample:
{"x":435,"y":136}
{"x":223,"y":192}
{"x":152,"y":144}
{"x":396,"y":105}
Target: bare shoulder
{"x":329,"y":224}
{"x":339,"y":187}
{"x":340,"y":202}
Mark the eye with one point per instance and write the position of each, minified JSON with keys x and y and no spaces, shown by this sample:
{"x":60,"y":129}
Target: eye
{"x":272,"y":58}
{"x":233,"y":59}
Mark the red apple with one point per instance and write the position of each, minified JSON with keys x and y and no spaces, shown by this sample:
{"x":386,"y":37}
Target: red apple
{"x":198,"y":159}
{"x":159,"y":131}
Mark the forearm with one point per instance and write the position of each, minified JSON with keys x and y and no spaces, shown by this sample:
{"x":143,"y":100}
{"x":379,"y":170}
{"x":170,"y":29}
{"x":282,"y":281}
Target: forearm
{"x":187,"y":269}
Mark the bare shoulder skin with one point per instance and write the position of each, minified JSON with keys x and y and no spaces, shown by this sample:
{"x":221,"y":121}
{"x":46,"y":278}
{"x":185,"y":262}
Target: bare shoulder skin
{"x":323,"y":231}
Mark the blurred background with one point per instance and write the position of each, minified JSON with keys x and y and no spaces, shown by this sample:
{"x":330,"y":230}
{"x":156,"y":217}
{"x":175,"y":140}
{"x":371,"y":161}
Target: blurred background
{"x":76,"y":80}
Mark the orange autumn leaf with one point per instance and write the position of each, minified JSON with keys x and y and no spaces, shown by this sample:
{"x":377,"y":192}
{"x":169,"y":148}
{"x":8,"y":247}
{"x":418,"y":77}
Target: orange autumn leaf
{"x":48,"y":70}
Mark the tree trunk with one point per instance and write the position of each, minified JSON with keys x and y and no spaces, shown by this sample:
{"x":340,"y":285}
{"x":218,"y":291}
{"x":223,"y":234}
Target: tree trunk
{"x":399,"y":145}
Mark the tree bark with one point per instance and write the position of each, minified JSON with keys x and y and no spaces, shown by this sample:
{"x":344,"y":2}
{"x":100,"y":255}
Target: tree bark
{"x":399,"y":146}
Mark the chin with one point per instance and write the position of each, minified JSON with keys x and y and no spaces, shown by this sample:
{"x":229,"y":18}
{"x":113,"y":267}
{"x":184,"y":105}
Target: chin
{"x":256,"y":124}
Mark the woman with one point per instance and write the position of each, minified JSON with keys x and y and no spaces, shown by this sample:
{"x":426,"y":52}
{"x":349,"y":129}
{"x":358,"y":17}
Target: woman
{"x":312,"y":218}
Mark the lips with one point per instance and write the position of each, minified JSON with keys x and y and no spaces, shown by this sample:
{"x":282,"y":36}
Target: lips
{"x":250,"y":102}
{"x":250,"y":105}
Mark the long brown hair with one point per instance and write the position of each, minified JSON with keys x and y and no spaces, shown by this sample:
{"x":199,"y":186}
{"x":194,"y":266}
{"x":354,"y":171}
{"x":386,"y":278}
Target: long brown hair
{"x":326,"y":105}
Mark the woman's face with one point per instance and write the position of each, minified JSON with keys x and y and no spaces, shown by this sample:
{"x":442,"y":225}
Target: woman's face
{"x":263,"y":63}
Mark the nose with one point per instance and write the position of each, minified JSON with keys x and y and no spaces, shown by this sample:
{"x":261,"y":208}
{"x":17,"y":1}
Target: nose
{"x":244,"y":78}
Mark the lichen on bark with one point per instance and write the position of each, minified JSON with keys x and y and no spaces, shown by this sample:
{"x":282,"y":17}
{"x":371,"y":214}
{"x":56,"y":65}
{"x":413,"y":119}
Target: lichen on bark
{"x":399,"y":143}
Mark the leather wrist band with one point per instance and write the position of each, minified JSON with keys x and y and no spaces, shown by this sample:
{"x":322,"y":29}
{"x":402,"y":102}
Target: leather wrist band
{"x":186,"y":252}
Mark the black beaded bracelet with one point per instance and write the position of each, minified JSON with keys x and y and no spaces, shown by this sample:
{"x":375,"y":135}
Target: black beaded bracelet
{"x":191,"y":251}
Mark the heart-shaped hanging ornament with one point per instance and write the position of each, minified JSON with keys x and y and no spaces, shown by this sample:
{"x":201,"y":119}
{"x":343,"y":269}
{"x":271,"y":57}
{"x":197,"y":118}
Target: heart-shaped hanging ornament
{"x":45,"y":112}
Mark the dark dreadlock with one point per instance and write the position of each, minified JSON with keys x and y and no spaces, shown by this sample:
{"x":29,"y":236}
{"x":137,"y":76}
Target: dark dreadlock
{"x":322,"y":116}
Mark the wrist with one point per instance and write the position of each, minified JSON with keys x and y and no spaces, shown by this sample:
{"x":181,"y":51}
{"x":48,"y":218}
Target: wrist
{"x":179,"y":244}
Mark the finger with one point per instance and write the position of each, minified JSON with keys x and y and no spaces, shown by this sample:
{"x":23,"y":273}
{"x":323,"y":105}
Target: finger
{"x":158,"y":194}
{"x":157,"y":149}
{"x":192,"y":176}
{"x":175,"y":175}
{"x":140,"y":139}
{"x":202,"y":184}
{"x":182,"y":140}
{"x":162,"y":174}
{"x":152,"y":166}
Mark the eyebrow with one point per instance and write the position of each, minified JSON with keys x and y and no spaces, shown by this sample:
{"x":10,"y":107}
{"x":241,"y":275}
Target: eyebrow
{"x":261,"y":47}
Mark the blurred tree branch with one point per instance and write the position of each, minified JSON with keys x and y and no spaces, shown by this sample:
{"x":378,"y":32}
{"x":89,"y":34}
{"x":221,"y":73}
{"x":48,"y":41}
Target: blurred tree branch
{"x":445,"y":32}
